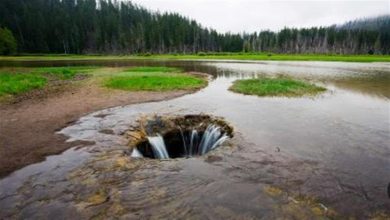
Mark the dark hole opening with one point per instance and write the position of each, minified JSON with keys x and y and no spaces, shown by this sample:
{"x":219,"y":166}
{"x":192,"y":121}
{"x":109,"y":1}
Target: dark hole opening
{"x":179,"y":137}
{"x":173,"y":142}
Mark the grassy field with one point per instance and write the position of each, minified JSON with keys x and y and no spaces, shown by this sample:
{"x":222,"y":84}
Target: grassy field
{"x":154,"y":79}
{"x":206,"y":56}
{"x":280,"y":86}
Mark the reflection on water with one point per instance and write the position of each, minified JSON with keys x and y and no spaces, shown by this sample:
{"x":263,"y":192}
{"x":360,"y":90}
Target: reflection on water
{"x":376,"y":85}
{"x":370,"y":79}
{"x":335,"y":147}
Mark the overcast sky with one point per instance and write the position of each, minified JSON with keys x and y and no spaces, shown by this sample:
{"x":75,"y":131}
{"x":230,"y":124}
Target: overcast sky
{"x":255,"y":15}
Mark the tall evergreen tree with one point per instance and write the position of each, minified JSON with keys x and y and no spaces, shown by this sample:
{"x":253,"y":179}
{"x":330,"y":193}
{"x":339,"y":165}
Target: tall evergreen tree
{"x":7,"y":42}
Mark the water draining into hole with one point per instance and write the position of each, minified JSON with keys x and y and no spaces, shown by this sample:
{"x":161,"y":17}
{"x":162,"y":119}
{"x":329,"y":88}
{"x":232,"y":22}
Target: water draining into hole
{"x":182,"y":142}
{"x":158,"y":147}
{"x":210,"y":139}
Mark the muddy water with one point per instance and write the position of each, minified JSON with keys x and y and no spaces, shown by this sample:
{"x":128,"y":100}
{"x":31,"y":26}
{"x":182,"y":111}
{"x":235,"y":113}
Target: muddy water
{"x":304,"y":158}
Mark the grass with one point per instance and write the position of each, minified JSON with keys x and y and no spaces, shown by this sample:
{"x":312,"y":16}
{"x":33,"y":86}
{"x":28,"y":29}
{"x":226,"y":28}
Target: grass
{"x":154,"y":79}
{"x":280,"y":86}
{"x":15,"y":83}
{"x":22,"y":80}
{"x":209,"y":56}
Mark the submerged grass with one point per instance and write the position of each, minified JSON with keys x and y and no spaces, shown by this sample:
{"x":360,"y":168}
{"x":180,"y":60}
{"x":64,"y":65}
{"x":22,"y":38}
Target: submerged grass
{"x":280,"y":86}
{"x":155,"y":83}
{"x":154,"y":69}
{"x":63,"y":72}
{"x":154,"y":79}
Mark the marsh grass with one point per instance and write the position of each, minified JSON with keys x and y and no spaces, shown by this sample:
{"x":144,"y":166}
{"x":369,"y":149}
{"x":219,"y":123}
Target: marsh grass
{"x":280,"y":86}
{"x":154,"y":79}
{"x":15,"y":83}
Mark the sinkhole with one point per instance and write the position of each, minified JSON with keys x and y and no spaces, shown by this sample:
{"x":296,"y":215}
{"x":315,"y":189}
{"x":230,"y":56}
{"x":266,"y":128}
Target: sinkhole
{"x":168,"y":137}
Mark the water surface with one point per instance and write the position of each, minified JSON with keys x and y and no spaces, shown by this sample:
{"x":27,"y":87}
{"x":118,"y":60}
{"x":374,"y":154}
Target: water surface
{"x":334,"y":147}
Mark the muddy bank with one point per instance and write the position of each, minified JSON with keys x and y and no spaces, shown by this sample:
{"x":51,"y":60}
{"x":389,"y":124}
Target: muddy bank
{"x":28,"y":125}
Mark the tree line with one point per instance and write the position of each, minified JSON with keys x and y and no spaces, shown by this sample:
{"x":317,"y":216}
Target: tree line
{"x":364,"y":36}
{"x":120,"y":27}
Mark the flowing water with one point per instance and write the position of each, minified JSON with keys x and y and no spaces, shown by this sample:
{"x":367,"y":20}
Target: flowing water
{"x":158,"y":146}
{"x":290,"y":157}
{"x":190,"y":145}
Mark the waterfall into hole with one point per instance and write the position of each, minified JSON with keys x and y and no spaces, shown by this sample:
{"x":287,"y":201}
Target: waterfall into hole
{"x":158,"y":147}
{"x":191,"y":143}
{"x":136,"y":153}
{"x":194,"y":141}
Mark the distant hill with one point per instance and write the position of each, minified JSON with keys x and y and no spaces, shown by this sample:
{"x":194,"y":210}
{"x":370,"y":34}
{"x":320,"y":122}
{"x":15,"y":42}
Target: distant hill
{"x":120,"y":27}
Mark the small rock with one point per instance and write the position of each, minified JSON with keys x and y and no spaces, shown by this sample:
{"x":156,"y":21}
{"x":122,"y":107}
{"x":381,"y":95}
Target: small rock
{"x":107,"y":131}
{"x":212,"y":159}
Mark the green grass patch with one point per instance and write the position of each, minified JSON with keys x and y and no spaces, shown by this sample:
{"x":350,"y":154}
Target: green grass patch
{"x":280,"y":86}
{"x":14,"y":84}
{"x":154,"y":79}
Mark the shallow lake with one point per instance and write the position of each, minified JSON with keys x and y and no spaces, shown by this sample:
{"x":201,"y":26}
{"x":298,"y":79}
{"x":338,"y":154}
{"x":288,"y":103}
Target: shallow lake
{"x":334,"y":147}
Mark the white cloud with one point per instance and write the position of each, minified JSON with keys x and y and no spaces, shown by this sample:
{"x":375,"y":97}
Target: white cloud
{"x":255,"y":15}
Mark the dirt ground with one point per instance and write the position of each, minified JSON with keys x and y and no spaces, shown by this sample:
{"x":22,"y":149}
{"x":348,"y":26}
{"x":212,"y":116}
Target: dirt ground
{"x":28,"y":125}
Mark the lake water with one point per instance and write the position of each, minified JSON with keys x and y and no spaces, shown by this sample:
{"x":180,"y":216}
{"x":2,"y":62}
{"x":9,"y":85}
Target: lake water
{"x":332,"y":150}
